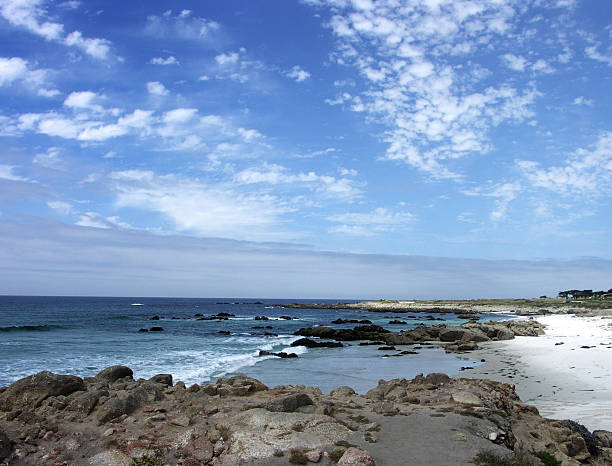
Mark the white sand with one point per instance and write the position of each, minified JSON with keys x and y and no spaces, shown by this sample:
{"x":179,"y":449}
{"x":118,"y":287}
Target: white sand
{"x":564,"y":381}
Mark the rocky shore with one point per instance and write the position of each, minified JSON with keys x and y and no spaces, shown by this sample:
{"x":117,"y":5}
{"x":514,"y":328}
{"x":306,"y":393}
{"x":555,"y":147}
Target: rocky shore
{"x":113,"y":419}
{"x":454,"y":338}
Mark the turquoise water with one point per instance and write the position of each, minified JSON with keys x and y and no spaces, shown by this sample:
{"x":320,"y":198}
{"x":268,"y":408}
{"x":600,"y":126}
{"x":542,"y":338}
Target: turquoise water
{"x":81,"y":336}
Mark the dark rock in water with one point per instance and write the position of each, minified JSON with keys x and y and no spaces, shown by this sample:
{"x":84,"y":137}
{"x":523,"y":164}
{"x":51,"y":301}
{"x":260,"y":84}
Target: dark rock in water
{"x":197,"y":315}
{"x":5,"y":445}
{"x":397,"y":322}
{"x":224,"y":314}
{"x":143,"y":330}
{"x":224,"y":332}
{"x":270,"y":334}
{"x":560,"y":343}
{"x":269,"y":326}
{"x":257,"y":302}
{"x":164,"y":379}
{"x":370,"y":343}
{"x":255,"y":327}
{"x":176,"y":318}
{"x":468,"y":316}
{"x":282,"y":354}
{"x":261,"y":318}
{"x":386,"y":348}
{"x":112,"y":373}
{"x":286,"y":317}
{"x":308,"y":343}
{"x":30,"y":392}
{"x":155,"y":318}
{"x":351,"y":321}
{"x":361,"y":332}
{"x":288,"y":404}
{"x":409,"y":352}
{"x":156,"y":329}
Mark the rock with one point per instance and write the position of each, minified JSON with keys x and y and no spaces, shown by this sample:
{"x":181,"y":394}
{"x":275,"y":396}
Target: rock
{"x":468,"y":316}
{"x":466,"y":398}
{"x":5,"y":445}
{"x":459,"y":437}
{"x":110,"y":458}
{"x":308,"y":343}
{"x":30,"y":392}
{"x":438,"y":379}
{"x":286,"y":317}
{"x":143,"y":330}
{"x":182,"y":421}
{"x":282,"y":354}
{"x":386,"y":348}
{"x":163,"y":379}
{"x":156,"y":329}
{"x":86,"y":402}
{"x":108,"y":432}
{"x":386,"y":408}
{"x":155,"y":318}
{"x":261,"y":318}
{"x":112,"y":373}
{"x":288,"y":404}
{"x":135,"y":399}
{"x":397,"y":322}
{"x":224,"y":332}
{"x":603,"y":438}
{"x":590,"y":440}
{"x":200,"y":449}
{"x":313,"y":456}
{"x":235,"y":385}
{"x":356,"y":457}
{"x":351,"y":321}
{"x":342,"y":391}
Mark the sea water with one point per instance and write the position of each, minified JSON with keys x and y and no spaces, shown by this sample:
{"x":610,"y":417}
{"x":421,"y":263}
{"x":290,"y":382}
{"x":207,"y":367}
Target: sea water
{"x":83,"y":335}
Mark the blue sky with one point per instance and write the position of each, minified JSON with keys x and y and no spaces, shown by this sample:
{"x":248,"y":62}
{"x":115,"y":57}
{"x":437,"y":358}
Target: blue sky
{"x":464,"y":129}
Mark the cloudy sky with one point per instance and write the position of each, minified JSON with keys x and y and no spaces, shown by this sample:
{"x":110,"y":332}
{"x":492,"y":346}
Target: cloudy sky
{"x":375,"y":135}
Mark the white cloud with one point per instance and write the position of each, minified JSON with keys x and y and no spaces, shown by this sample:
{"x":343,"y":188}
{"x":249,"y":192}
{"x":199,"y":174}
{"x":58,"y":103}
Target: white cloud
{"x":515,"y":62}
{"x":199,"y":208}
{"x":49,"y":159}
{"x":225,"y":59}
{"x":329,"y":187}
{"x":503,"y":193}
{"x":379,"y":220}
{"x":298,"y":74}
{"x":183,"y":26}
{"x":97,"y":48}
{"x":583,"y":101}
{"x":156,"y":88}
{"x":586,"y":173}
{"x":593,"y":53}
{"x":62,"y":207}
{"x":81,"y":100}
{"x":48,"y":92}
{"x":433,"y":112}
{"x":7,"y":173}
{"x":171,"y":60}
{"x":30,"y":15}
{"x":12,"y":69}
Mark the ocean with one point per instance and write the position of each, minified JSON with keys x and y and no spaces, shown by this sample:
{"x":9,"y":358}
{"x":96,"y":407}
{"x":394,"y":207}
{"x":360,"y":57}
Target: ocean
{"x":83,"y":335}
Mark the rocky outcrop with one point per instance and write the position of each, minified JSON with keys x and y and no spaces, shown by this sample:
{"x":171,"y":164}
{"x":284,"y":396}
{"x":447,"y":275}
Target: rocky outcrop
{"x":33,"y":390}
{"x":239,"y":420}
{"x":308,"y":343}
{"x":110,"y":374}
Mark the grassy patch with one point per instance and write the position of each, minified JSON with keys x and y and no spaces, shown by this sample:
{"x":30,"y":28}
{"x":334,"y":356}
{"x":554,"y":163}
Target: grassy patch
{"x":279,"y":453}
{"x":547,"y":458}
{"x":488,"y":458}
{"x":298,"y":457}
{"x":344,"y":443}
{"x":146,"y":461}
{"x":336,"y":455}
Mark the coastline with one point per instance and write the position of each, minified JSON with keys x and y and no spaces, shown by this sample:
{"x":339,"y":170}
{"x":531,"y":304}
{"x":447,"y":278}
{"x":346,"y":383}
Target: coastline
{"x":554,"y":372}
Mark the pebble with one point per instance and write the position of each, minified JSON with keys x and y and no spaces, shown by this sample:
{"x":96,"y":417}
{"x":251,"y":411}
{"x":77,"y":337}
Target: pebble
{"x":109,"y":432}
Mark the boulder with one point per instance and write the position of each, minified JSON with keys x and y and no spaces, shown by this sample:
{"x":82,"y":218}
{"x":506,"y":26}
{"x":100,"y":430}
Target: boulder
{"x":342,"y":392}
{"x":163,"y":379}
{"x":288,"y":404}
{"x":356,"y":457}
{"x":30,"y":392}
{"x":5,"y":445}
{"x":85,"y":403}
{"x":603,"y":438}
{"x":112,"y":373}
{"x":282,"y":354}
{"x":200,"y":449}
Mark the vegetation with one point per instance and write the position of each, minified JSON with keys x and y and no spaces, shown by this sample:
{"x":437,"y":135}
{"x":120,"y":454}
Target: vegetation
{"x":336,"y":455}
{"x":298,"y":457}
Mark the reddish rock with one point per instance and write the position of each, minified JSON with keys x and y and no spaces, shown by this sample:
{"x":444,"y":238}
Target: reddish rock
{"x":201,"y":449}
{"x":356,"y":457}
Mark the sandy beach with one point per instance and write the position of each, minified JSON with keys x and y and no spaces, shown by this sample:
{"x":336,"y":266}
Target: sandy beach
{"x":566,"y":373}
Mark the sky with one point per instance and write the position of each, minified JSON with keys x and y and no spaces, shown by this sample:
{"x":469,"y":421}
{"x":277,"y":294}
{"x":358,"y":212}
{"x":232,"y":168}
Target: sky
{"x":305,"y":148}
